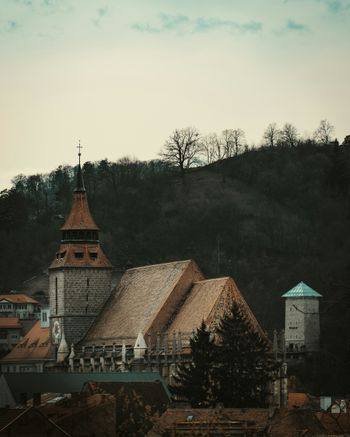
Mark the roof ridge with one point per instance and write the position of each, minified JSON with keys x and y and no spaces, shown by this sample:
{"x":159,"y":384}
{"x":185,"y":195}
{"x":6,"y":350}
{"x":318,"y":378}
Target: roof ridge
{"x":160,"y":264}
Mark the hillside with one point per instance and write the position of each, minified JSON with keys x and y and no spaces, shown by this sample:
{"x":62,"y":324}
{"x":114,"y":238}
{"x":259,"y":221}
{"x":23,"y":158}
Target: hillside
{"x":269,"y":218}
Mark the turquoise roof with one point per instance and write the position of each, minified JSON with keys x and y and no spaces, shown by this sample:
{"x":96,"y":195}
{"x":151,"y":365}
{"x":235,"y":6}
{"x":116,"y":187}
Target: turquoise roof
{"x":302,"y":290}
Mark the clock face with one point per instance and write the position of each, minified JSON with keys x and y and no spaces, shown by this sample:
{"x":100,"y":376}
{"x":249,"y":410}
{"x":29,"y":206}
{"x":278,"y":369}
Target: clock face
{"x":56,"y":330}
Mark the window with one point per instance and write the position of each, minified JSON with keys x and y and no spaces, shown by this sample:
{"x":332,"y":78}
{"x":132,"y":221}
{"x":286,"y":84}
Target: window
{"x":79,"y":254}
{"x":44,"y":316}
{"x":56,"y":294}
{"x":93,"y":255}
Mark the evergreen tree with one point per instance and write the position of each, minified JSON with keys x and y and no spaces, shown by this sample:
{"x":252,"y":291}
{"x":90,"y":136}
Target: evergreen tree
{"x":243,"y":362}
{"x":194,"y":381}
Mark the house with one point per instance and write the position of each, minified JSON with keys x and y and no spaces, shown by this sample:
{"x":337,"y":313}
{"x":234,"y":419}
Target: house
{"x":10,"y":333}
{"x":19,"y":305}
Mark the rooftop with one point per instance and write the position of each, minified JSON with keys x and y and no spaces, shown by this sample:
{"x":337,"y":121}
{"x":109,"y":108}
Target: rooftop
{"x":302,"y":290}
{"x":10,"y":323}
{"x":17,"y":298}
{"x":80,"y":217}
{"x":35,"y":346}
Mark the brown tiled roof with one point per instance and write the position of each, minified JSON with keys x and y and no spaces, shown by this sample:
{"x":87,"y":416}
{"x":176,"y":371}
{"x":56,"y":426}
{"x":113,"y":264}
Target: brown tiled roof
{"x":144,"y":300}
{"x":92,"y":256}
{"x":199,"y":305}
{"x":335,"y":422}
{"x":151,"y":393}
{"x":257,"y":417}
{"x":17,"y":298}
{"x":35,"y":346}
{"x":80,"y":217}
{"x":294,"y":422}
{"x":36,"y":424}
{"x":10,"y":323}
{"x":298,"y":399}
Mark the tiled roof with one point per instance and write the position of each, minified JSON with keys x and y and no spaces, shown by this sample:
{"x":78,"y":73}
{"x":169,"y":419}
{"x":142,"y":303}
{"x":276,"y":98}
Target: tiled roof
{"x":152,"y":393}
{"x":80,"y":217}
{"x":92,"y":256}
{"x":10,"y":323}
{"x":17,"y":298}
{"x":9,"y":419}
{"x":335,"y":422}
{"x":198,"y":305}
{"x":298,"y":399}
{"x":256,"y":417}
{"x":144,"y":300}
{"x":208,"y":300}
{"x":301,"y":290}
{"x":294,"y":421}
{"x":35,"y":346}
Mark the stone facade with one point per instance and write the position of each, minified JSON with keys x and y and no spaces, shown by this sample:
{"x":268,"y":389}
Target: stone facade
{"x":77,"y":296}
{"x":302,"y":324}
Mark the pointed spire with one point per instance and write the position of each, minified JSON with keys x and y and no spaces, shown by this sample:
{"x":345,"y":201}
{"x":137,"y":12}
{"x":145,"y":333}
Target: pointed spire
{"x":80,"y":181}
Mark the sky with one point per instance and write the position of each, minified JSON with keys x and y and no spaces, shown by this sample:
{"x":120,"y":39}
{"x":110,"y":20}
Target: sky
{"x":121,"y":75}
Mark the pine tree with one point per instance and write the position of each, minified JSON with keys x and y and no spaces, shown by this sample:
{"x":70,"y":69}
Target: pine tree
{"x":243,"y":362}
{"x":194,"y":381}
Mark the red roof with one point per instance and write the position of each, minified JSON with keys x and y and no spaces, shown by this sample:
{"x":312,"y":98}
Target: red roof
{"x":35,"y":346}
{"x":80,"y":217}
{"x":10,"y":323}
{"x":18,"y":298}
{"x":80,"y":255}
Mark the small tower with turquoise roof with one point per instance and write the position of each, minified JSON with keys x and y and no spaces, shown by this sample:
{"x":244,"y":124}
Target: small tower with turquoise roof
{"x":302,"y":319}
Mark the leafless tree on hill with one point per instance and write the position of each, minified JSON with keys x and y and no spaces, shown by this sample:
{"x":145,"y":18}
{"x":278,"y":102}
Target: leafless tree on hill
{"x":182,"y":149}
{"x":271,"y":135}
{"x":212,"y":148}
{"x":289,"y":135}
{"x":323,"y":134}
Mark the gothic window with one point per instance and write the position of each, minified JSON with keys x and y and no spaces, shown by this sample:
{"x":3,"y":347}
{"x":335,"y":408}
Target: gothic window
{"x":56,"y":294}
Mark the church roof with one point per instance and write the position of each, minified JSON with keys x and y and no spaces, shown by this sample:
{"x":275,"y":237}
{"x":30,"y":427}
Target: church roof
{"x":144,"y":301}
{"x":301,"y":290}
{"x":80,"y":217}
{"x":208,"y":300}
{"x":198,"y":305}
{"x":80,"y":255}
{"x":35,"y":346}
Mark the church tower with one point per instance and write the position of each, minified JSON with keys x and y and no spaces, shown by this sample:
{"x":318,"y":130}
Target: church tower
{"x":79,"y":275}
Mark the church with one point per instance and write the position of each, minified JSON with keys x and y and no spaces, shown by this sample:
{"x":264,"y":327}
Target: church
{"x":144,"y":322}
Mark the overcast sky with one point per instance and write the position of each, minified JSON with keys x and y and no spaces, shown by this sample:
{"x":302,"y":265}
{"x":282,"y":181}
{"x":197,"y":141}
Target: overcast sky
{"x":121,"y":75}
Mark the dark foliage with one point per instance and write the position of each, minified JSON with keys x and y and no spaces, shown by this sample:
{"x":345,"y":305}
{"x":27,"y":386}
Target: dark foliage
{"x":195,"y":381}
{"x":243,"y":364}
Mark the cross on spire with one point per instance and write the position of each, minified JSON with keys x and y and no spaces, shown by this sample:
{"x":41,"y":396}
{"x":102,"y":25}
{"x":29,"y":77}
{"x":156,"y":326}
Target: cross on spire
{"x":79,"y":147}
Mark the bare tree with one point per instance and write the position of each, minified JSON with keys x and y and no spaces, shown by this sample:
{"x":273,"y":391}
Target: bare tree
{"x":238,"y":140}
{"x":289,"y":135}
{"x":323,"y":134}
{"x":233,"y":141}
{"x":211,"y":148}
{"x":182,"y":148}
{"x":271,"y":135}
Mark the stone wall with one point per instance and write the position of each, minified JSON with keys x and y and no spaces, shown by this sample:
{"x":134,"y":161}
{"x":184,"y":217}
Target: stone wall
{"x":81,"y":294}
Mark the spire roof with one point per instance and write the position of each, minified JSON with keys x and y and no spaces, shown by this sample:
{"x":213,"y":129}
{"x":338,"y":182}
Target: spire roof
{"x":302,"y":290}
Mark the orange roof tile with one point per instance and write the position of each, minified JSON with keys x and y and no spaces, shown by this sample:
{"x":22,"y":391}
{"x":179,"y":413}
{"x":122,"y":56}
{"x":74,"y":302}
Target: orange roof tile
{"x":298,"y":399}
{"x":92,"y":255}
{"x":10,"y":323}
{"x":80,"y":217}
{"x":17,"y":298}
{"x":35,"y":346}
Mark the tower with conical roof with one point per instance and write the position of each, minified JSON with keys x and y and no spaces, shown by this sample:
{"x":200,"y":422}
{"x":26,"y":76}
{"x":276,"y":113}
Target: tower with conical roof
{"x":302,"y":319}
{"x":80,"y":274}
